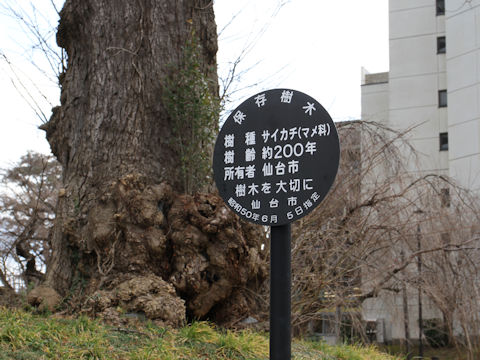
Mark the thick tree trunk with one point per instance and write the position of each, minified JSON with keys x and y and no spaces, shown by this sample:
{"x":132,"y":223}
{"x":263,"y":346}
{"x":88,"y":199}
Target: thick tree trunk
{"x":119,"y":223}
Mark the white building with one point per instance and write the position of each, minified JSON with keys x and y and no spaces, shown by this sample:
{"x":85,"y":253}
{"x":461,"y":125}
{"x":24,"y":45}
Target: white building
{"x":433,"y":87}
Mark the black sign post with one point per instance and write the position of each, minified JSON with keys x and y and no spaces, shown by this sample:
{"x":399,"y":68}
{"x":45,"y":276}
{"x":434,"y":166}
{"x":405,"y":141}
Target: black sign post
{"x":280,"y":292}
{"x":275,"y":160}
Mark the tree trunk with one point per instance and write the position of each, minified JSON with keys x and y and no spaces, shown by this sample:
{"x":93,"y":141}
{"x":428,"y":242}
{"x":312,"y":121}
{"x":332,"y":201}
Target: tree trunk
{"x":120,"y":224}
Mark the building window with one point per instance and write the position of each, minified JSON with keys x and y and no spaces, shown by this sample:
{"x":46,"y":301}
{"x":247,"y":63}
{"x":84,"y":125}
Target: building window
{"x":440,"y":7}
{"x":441,"y":45}
{"x":443,"y":141}
{"x":325,"y":326}
{"x":445,"y":197}
{"x":445,"y":239}
{"x":442,"y":98}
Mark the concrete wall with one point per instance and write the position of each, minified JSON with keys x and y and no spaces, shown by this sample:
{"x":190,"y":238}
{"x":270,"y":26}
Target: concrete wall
{"x":389,"y":306}
{"x":416,"y":75}
{"x":375,"y":98}
{"x":463,"y":77}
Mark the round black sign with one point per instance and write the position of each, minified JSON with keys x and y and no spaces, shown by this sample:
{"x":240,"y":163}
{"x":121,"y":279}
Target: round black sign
{"x":276,"y":157}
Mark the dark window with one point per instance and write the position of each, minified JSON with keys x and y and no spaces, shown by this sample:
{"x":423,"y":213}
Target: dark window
{"x":445,"y":238}
{"x":440,"y":7}
{"x":445,"y":197}
{"x":326,"y":325}
{"x":441,"y":45}
{"x":443,"y":141}
{"x":442,"y":98}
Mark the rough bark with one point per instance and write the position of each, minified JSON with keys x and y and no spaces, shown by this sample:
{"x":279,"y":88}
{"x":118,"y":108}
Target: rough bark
{"x":118,"y":218}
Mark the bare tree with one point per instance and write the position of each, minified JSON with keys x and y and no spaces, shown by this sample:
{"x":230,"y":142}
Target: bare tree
{"x":36,"y":62}
{"x":349,"y":249}
{"x":27,"y":211}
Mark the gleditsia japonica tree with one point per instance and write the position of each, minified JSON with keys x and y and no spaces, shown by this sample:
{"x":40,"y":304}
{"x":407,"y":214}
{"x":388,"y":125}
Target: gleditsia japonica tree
{"x":134,"y":135}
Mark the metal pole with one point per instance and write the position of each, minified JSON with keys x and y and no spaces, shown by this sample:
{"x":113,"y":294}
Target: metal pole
{"x":420,"y":315}
{"x":280,"y":292}
{"x":406,"y":318}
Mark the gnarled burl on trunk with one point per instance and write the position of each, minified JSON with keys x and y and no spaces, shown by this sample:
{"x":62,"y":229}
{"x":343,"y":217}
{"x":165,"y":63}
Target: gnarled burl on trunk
{"x":126,"y":235}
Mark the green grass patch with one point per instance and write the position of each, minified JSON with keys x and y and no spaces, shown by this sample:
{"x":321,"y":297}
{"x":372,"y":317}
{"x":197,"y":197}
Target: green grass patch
{"x":24,"y":336}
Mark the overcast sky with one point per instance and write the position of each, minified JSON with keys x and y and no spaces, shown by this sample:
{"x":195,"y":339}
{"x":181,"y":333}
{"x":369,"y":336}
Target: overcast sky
{"x":314,"y":46}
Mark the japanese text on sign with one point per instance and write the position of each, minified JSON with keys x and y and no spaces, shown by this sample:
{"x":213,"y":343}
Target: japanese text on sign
{"x":270,"y":155}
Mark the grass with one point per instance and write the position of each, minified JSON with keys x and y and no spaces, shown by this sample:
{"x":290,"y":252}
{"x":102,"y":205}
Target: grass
{"x":24,"y":336}
{"x":444,"y":353}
